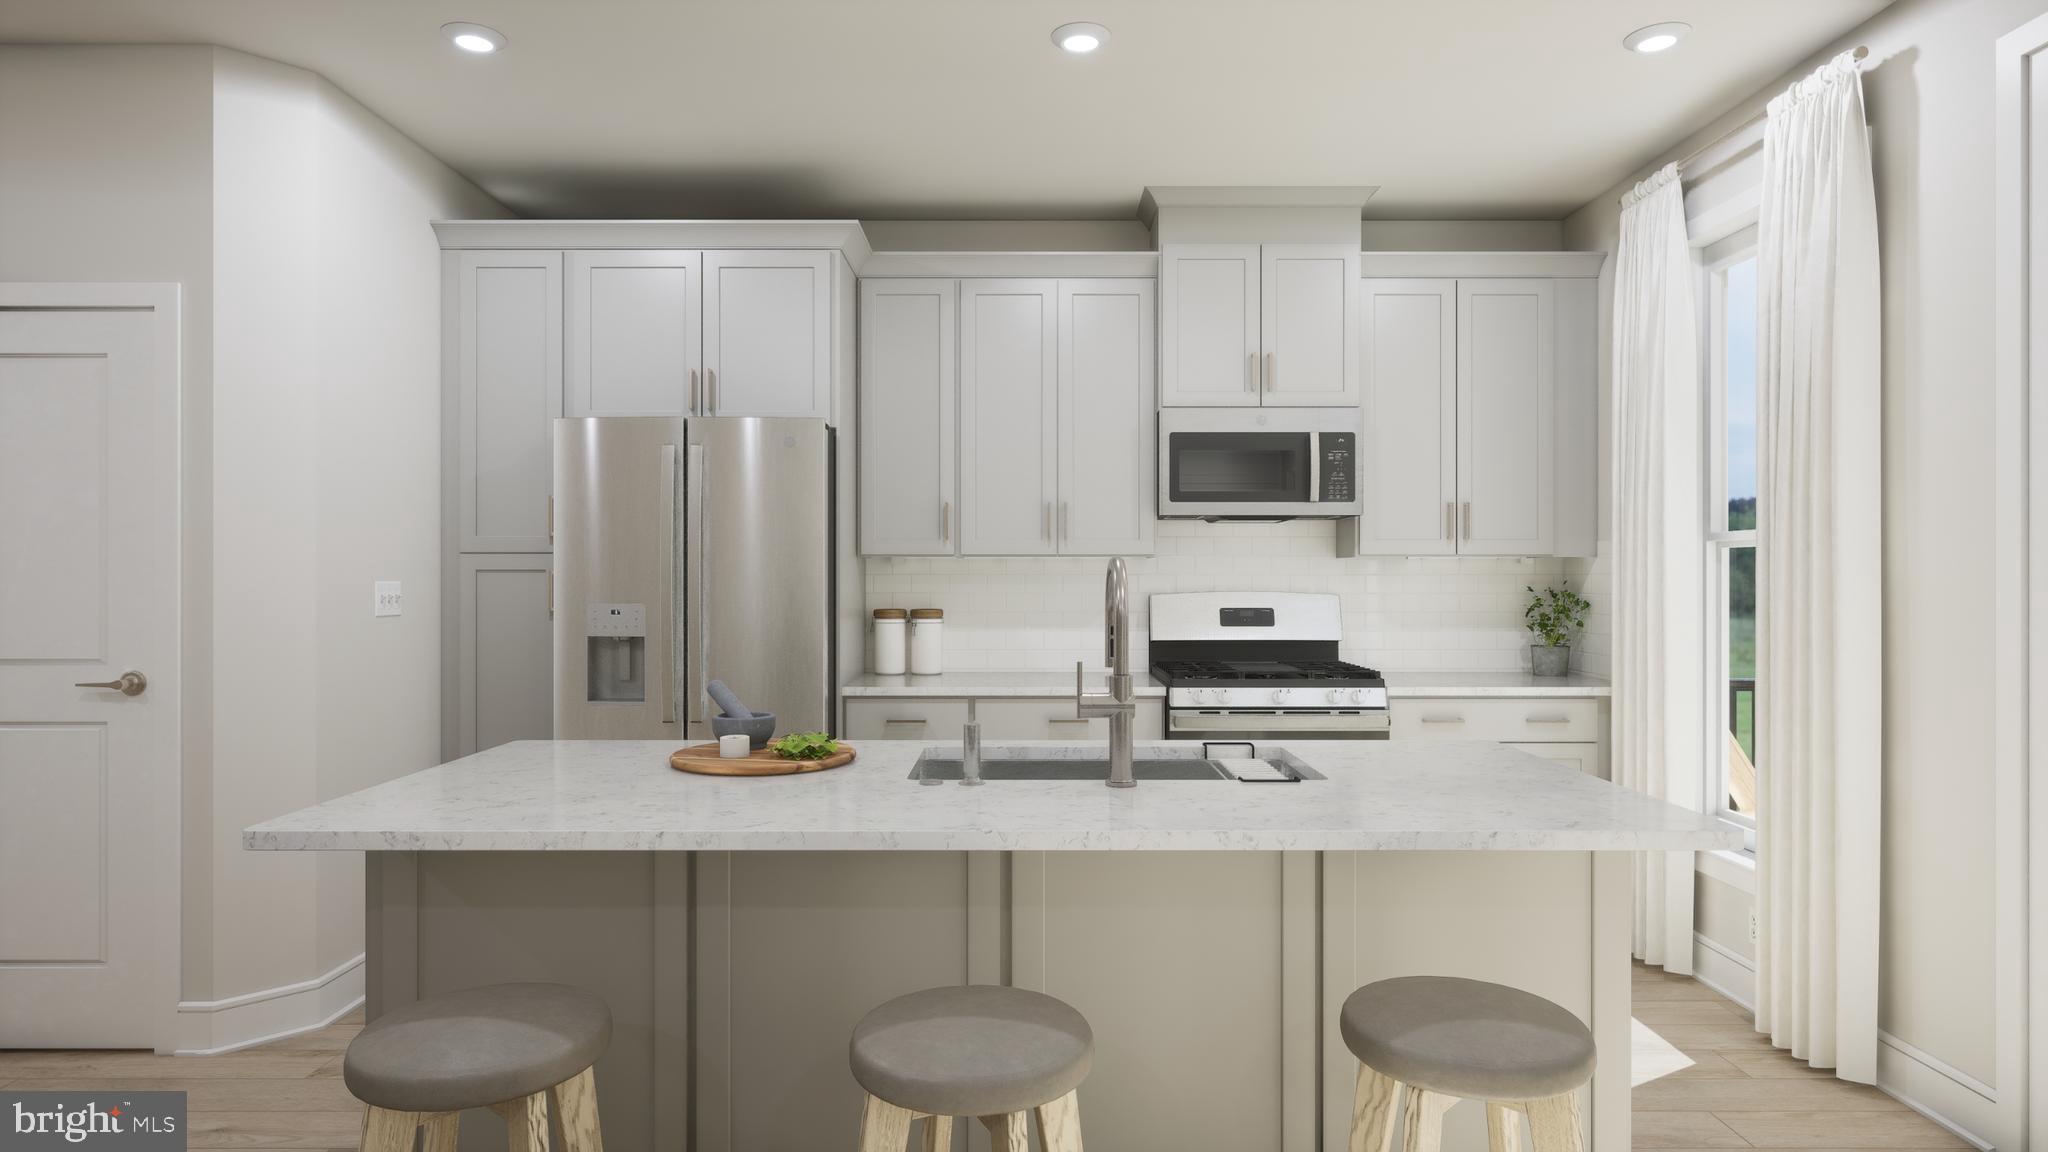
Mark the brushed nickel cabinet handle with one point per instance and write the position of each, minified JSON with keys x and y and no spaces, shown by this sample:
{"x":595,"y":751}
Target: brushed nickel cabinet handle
{"x":1450,"y":520}
{"x":130,"y":684}
{"x":1066,"y":521}
{"x":1468,"y":519}
{"x":1048,"y":519}
{"x":1443,"y":719}
{"x":694,"y":395}
{"x":945,"y":520}
{"x":1269,"y":384}
{"x":1548,"y":720}
{"x":1251,"y":371}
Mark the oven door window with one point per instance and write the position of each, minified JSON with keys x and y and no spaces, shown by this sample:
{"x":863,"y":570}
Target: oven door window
{"x":1239,"y":467}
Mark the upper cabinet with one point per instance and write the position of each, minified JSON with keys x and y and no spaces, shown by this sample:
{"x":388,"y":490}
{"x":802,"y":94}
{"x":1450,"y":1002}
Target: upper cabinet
{"x":1244,"y":325}
{"x":503,"y":314}
{"x":767,"y":333}
{"x":1479,"y":413}
{"x":1051,"y":452}
{"x":635,"y":333}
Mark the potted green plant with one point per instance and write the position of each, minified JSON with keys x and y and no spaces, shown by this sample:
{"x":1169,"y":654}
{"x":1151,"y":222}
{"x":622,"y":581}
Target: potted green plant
{"x":1554,"y":618}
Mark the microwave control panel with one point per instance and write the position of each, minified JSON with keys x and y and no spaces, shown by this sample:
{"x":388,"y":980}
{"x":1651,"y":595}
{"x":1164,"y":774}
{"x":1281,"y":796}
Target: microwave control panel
{"x":1336,"y":467}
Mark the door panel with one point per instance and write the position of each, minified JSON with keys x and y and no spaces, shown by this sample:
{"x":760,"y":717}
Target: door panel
{"x":1009,"y":432}
{"x":1409,"y":457}
{"x":88,"y":591}
{"x":767,"y":337}
{"x":1107,"y":433}
{"x":634,"y":326}
{"x":1309,"y":324}
{"x":506,"y":660}
{"x":1507,"y":417}
{"x":1209,"y":310}
{"x":509,"y":360}
{"x":908,"y":385}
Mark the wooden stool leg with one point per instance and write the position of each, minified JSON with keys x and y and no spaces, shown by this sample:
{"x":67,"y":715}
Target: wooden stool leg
{"x":1503,"y":1128}
{"x":1422,"y":1130}
{"x":387,"y":1131}
{"x":573,"y":1108}
{"x":1059,"y":1124}
{"x":526,"y":1123}
{"x":938,"y":1134}
{"x":1372,"y":1111}
{"x":883,"y":1126}
{"x":1011,"y":1133}
{"x":1554,"y":1124}
{"x":442,"y":1129}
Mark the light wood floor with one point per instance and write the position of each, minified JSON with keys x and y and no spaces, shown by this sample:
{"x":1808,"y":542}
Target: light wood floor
{"x":1742,"y":1093}
{"x":1739,"y":1093}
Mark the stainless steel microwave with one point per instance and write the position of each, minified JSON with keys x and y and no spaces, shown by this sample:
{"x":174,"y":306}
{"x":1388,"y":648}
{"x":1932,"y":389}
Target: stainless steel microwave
{"x":1258,"y":463}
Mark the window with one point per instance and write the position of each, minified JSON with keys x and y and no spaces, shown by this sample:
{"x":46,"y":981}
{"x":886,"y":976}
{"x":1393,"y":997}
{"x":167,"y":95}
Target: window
{"x":1729,"y":280}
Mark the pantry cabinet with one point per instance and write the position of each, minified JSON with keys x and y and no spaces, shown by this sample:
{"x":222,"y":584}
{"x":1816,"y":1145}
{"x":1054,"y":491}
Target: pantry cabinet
{"x":1245,"y":325}
{"x":1479,"y":409}
{"x":504,"y":361}
{"x":503,"y":644}
{"x":1052,"y":451}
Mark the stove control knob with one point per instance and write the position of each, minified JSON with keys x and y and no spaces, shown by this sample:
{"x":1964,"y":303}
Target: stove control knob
{"x":1280,"y":695}
{"x":1358,"y":695}
{"x":1336,"y":695}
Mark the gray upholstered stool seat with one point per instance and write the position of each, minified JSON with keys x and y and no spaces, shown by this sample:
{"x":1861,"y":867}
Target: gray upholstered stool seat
{"x":1467,"y":1038}
{"x":478,"y":1047}
{"x":972,"y":1050}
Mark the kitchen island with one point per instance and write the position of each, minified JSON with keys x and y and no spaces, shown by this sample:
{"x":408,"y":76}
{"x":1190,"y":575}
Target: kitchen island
{"x":1209,"y":930}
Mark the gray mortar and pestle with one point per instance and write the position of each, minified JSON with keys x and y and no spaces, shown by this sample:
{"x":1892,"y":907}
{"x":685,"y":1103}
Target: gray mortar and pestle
{"x":738,"y":719}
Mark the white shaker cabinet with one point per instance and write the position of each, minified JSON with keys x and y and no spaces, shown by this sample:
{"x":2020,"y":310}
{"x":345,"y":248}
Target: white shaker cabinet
{"x":1506,"y":417}
{"x":1107,"y":422}
{"x":634,"y":333}
{"x":1244,"y":325}
{"x":767,"y":333}
{"x":504,"y":652}
{"x":504,"y":315}
{"x":1009,"y":423}
{"x":1409,"y":454}
{"x":908,"y":434}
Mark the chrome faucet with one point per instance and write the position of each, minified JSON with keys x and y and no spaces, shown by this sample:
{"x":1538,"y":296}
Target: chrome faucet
{"x":1117,"y":703}
{"x":970,"y":749}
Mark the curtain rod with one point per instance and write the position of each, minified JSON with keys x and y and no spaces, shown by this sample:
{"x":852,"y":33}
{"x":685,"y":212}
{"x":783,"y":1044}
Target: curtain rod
{"x":1859,"y":53}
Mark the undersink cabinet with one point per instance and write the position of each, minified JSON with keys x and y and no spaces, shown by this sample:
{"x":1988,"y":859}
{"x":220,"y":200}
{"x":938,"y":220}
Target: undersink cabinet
{"x":1250,"y":325}
{"x":1001,"y":718}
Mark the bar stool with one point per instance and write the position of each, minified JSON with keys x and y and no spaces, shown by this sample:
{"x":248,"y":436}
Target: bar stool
{"x":511,"y":1048}
{"x":973,"y":1050}
{"x":1438,"y":1039}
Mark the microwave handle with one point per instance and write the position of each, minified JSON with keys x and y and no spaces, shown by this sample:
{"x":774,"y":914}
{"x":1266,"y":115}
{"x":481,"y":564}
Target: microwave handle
{"x":1315,"y":467}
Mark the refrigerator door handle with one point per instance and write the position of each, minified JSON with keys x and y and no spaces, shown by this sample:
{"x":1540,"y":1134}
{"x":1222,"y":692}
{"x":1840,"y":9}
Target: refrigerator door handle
{"x":668,"y":575}
{"x":696,"y":621}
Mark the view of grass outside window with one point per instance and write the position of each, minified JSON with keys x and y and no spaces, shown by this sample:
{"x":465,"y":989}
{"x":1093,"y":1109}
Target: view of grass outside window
{"x":1734,"y":538}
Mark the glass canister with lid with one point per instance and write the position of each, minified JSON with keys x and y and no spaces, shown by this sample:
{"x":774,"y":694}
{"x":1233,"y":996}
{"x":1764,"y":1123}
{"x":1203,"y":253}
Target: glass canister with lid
{"x":926,"y":649}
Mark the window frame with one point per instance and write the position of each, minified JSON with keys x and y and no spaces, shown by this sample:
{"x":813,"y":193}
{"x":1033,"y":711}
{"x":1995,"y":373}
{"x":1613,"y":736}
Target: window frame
{"x":1712,"y":262}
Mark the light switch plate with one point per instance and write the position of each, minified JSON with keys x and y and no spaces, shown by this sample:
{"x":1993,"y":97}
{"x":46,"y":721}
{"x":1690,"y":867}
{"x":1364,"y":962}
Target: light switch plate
{"x":388,"y":598}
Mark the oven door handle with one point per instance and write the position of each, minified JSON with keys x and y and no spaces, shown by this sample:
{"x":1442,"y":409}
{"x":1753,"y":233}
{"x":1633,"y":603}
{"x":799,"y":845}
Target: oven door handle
{"x":1277,"y":722}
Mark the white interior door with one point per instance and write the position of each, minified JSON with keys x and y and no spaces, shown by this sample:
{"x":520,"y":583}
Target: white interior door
{"x":88,"y":593}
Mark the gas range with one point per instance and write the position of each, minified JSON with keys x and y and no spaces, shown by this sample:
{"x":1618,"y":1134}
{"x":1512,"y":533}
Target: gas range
{"x":1261,"y":664}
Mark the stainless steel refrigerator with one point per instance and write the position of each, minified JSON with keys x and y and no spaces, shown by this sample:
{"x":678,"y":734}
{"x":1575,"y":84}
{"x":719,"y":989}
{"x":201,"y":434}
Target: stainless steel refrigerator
{"x":686,"y":550}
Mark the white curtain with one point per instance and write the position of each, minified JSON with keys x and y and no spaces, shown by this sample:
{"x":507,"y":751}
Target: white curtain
{"x":1820,"y":651}
{"x":1658,"y":678}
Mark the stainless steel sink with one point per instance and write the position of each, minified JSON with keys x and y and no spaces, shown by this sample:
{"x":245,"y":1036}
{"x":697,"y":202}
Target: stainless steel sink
{"x":938,"y":765}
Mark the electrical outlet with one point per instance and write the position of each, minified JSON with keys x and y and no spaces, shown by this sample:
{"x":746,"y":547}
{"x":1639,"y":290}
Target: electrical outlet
{"x":387,"y":598}
{"x":1752,"y":924}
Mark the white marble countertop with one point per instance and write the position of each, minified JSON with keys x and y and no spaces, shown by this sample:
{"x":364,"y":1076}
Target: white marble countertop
{"x":623,"y":796}
{"x":999,"y":683}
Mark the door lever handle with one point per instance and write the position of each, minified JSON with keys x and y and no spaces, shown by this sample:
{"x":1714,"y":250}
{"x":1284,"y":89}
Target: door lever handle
{"x":130,"y":684}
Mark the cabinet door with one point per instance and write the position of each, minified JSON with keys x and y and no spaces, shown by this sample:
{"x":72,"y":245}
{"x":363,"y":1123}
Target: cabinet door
{"x":504,"y":665}
{"x":1209,"y":317}
{"x":1408,"y":458}
{"x":907,"y":431}
{"x":634,"y":327}
{"x":1009,"y":435}
{"x":1506,"y":417}
{"x":1584,"y":757}
{"x":508,"y":365}
{"x":1309,"y":325}
{"x":768,"y":333}
{"x":1107,"y":422}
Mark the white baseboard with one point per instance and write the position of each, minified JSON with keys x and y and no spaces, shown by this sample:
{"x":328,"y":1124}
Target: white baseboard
{"x":1724,"y":971}
{"x":210,"y":1027}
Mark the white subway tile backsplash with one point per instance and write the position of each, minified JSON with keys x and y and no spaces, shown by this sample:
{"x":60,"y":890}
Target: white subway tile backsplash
{"x":1425,"y":613}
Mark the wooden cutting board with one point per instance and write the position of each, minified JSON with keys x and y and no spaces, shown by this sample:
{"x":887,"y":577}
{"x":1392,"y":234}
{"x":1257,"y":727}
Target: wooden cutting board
{"x":704,"y":760}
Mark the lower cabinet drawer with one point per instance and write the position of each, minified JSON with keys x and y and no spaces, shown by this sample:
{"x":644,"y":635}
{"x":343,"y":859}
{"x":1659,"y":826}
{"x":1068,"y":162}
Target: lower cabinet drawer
{"x":1013,"y":718}
{"x":1584,"y":757}
{"x":906,"y":719}
{"x":1509,"y":720}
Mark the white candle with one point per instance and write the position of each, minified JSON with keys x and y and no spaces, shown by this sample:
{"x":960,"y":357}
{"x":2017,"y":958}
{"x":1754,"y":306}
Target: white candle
{"x":733,"y":747}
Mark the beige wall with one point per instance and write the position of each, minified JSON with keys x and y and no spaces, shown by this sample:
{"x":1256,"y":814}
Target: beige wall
{"x":1928,"y":87}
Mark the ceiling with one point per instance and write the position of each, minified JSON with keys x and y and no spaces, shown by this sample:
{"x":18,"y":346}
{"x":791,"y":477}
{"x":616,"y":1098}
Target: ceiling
{"x":955,"y":109}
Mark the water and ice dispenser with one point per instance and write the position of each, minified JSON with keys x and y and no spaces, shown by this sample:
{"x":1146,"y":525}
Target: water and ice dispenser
{"x":615,"y":637}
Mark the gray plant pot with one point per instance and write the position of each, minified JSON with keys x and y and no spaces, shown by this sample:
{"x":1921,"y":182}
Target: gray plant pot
{"x":1547,"y":661}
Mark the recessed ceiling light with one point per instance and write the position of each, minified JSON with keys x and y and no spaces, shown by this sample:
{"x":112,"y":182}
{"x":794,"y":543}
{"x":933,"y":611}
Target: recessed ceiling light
{"x":474,"y":37}
{"x":1655,"y":38}
{"x":1080,"y":38}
